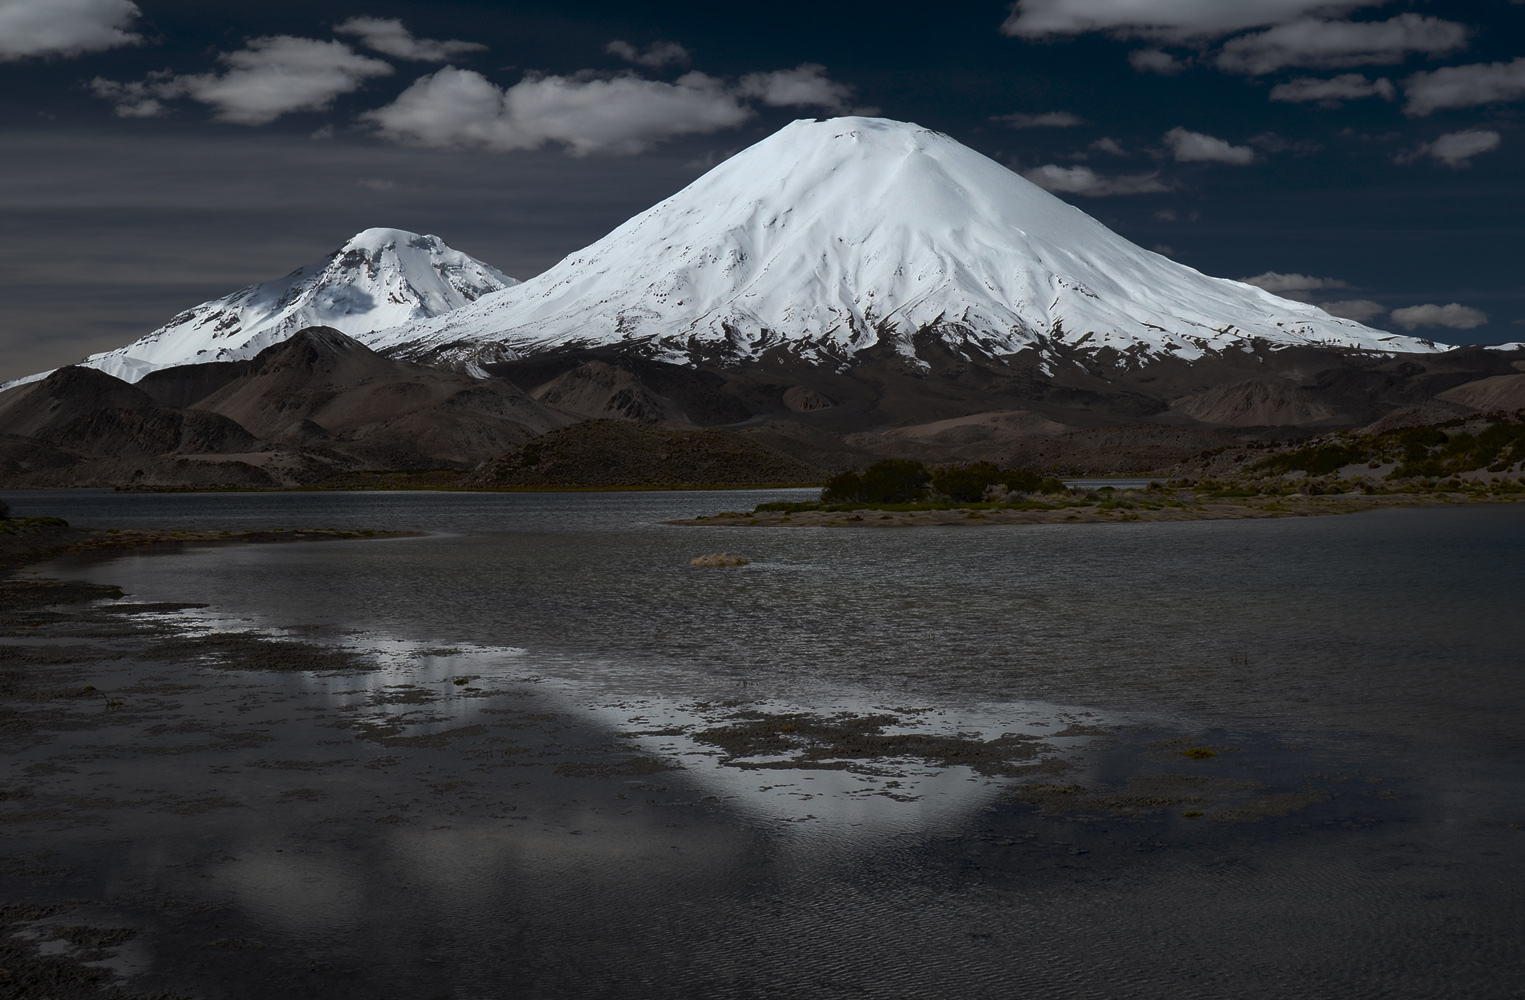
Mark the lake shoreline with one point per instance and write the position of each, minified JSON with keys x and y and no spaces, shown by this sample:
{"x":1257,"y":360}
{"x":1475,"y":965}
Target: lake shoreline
{"x":1207,"y":509}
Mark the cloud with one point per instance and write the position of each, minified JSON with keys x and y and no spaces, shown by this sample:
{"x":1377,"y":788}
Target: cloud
{"x":1293,"y":286}
{"x":461,"y":109}
{"x":1167,"y":215}
{"x":1195,"y":147}
{"x":1048,"y":119}
{"x":389,"y":37}
{"x":1087,"y":182}
{"x":272,"y":77}
{"x":1455,"y":149}
{"x":134,"y":99}
{"x":1360,"y":310}
{"x":1170,"y":20}
{"x":1110,"y":146}
{"x":657,"y":54}
{"x":1164,"y":248}
{"x":1155,"y":61}
{"x":805,"y":86}
{"x":1329,"y":93}
{"x":64,"y":27}
{"x":1453,"y":316}
{"x":1464,"y":87}
{"x":1321,"y":44}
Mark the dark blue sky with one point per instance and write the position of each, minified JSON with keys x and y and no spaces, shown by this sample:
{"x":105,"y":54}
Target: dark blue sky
{"x":1364,"y":155}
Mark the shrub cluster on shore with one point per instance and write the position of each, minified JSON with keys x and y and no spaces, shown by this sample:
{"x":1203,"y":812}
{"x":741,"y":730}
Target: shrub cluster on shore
{"x":1483,"y":454}
{"x":902,"y":481}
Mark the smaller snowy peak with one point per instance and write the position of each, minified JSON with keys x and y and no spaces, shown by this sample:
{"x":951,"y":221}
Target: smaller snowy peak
{"x":381,"y":278}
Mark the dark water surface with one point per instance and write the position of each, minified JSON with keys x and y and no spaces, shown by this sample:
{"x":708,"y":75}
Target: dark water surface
{"x":1358,"y":829}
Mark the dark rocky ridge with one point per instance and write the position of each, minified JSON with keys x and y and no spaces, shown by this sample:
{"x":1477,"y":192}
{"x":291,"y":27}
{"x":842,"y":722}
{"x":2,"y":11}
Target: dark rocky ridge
{"x":624,"y":453}
{"x":321,"y":406}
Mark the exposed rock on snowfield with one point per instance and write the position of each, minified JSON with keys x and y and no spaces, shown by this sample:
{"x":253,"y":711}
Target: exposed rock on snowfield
{"x":830,"y":237}
{"x":381,"y":278}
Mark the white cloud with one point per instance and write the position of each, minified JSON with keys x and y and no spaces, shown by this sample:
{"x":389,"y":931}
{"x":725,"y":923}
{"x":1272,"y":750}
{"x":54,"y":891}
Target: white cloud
{"x":1048,"y":119}
{"x":134,"y":99}
{"x":1155,"y":61}
{"x":389,"y":37}
{"x":1453,"y":316}
{"x":1293,"y":286}
{"x":1455,"y":149}
{"x":64,"y":27}
{"x":457,"y":108}
{"x":272,"y":77}
{"x":1330,"y":92}
{"x":1464,"y":87}
{"x":1195,"y":147}
{"x":1174,"y":20}
{"x":1360,"y":310}
{"x":805,"y":86}
{"x":657,"y":54}
{"x":1110,"y":146}
{"x":1087,"y":182}
{"x":1320,"y":44}
{"x":1165,"y":249}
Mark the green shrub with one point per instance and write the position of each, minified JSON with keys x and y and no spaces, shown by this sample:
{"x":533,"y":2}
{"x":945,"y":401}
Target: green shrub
{"x":894,"y":480}
{"x":844,"y":488}
{"x":965,"y":483}
{"x":1318,"y":460}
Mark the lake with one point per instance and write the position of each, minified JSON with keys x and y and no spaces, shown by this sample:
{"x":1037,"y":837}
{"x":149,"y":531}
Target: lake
{"x":1248,"y":758}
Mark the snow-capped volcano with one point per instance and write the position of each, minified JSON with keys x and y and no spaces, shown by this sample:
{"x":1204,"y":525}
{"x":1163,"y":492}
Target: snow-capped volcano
{"x":381,"y":278}
{"x":830,"y":236}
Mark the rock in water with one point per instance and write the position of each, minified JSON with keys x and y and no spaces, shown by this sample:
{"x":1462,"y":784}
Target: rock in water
{"x":720,"y":559}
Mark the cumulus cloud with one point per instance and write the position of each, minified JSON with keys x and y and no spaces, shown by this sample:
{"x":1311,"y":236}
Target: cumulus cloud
{"x":1110,"y":146}
{"x":1320,"y":44}
{"x":64,"y":27}
{"x":1155,"y":61}
{"x":656,"y":55}
{"x":1048,"y":119}
{"x":1331,"y":92}
{"x":1360,"y":310}
{"x":1455,"y":149}
{"x":1087,"y":182}
{"x":135,"y":98}
{"x":1453,"y":316}
{"x":1293,"y":286}
{"x":1195,"y":147}
{"x":389,"y":37}
{"x":272,"y":77}
{"x":805,"y":86}
{"x":1464,"y":87}
{"x":461,"y":109}
{"x":1171,"y":20}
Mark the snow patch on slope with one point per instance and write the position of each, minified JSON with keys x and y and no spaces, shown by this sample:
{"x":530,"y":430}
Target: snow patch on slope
{"x":829,"y":237}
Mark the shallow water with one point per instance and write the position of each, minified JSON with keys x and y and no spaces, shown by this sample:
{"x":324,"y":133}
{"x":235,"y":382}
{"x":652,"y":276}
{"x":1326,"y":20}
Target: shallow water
{"x":1360,"y":676}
